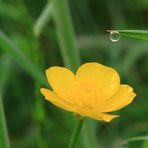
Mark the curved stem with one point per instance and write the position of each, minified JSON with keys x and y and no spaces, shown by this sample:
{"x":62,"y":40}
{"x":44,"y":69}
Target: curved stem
{"x":75,"y":133}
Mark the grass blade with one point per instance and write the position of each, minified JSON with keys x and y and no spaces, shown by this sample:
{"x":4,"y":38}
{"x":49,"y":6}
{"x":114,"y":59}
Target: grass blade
{"x":65,"y":33}
{"x":132,"y":139}
{"x":138,"y":34}
{"x":4,"y":142}
{"x":43,"y":19}
{"x":18,"y":56}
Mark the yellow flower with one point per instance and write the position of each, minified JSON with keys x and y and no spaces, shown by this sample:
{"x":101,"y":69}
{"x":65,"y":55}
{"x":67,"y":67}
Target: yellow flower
{"x":92,"y":92}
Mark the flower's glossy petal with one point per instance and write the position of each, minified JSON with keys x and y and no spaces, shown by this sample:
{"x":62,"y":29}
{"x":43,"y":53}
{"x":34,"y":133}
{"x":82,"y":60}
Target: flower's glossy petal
{"x":56,"y":100}
{"x":61,"y":80}
{"x":88,"y":113}
{"x":106,"y":78}
{"x":94,"y":114}
{"x":123,"y":97}
{"x":107,"y":117}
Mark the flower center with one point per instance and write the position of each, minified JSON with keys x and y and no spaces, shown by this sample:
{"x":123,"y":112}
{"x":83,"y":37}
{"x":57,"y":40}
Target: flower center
{"x":86,"y":94}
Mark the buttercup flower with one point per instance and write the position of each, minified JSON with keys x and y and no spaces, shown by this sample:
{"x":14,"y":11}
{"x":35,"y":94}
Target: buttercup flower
{"x":92,"y":92}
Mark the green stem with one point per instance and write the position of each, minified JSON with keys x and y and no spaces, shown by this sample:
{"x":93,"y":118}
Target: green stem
{"x":69,"y":48}
{"x":75,"y":133}
{"x":4,"y":142}
{"x":65,"y":34}
{"x":43,"y":19}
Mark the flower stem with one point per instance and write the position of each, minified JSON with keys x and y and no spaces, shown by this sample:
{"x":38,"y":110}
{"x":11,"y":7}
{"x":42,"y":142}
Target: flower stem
{"x":75,"y":133}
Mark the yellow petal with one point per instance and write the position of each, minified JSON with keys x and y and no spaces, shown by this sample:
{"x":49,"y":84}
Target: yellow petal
{"x":94,"y":114}
{"x":123,"y":97}
{"x":88,"y":113}
{"x":61,"y":80}
{"x":56,"y":100}
{"x":106,"y":78}
{"x":107,"y":117}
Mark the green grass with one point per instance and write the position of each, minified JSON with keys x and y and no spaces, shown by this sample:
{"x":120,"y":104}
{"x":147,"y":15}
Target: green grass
{"x":4,"y":142}
{"x":36,"y":35}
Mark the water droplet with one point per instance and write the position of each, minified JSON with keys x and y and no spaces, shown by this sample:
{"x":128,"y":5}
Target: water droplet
{"x":114,"y":36}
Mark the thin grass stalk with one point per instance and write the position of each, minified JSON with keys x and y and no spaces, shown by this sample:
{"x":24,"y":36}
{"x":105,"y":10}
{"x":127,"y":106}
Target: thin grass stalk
{"x":65,"y":34}
{"x":68,"y":44}
{"x":4,"y":142}
{"x":43,"y":19}
{"x":17,"y":55}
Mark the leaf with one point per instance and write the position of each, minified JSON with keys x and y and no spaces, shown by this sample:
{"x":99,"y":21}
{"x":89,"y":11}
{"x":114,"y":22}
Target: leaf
{"x":138,"y":34}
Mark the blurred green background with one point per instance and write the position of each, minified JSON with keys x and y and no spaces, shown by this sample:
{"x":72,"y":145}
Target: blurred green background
{"x":37,"y":34}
